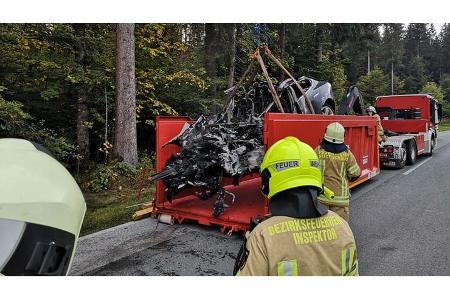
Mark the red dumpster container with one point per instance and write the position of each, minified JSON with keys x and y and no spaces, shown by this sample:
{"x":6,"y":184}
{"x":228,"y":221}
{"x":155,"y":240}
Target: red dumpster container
{"x":249,"y":202}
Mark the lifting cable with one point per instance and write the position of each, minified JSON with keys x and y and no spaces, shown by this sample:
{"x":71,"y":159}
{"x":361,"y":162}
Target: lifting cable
{"x":279,"y":64}
{"x":276,"y":99}
{"x":256,"y":56}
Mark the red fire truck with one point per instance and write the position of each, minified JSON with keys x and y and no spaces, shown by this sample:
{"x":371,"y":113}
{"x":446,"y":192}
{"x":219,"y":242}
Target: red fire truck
{"x":411,"y":125}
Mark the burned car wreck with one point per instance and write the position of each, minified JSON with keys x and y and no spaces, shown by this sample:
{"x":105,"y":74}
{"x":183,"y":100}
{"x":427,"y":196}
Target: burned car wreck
{"x":319,"y":92}
{"x":211,"y":150}
{"x":230,"y":144}
{"x":224,"y":145}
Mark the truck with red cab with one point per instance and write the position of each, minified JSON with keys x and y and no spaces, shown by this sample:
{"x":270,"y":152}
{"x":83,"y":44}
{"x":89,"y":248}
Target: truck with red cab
{"x":410,"y":123}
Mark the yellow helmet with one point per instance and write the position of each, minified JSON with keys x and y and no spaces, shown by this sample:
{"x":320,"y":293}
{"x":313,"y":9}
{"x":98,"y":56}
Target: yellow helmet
{"x":335,"y":133}
{"x":289,"y":163}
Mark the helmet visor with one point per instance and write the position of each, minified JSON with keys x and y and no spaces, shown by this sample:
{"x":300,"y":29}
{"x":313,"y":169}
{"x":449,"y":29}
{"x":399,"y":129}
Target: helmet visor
{"x":34,"y":249}
{"x":11,"y":232}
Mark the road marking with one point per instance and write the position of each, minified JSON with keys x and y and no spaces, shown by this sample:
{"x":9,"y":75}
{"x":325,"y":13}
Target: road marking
{"x":412,"y":169}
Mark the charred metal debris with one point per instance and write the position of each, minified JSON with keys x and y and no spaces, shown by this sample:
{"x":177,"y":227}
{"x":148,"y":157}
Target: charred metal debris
{"x":212,"y":149}
{"x":230,"y":144}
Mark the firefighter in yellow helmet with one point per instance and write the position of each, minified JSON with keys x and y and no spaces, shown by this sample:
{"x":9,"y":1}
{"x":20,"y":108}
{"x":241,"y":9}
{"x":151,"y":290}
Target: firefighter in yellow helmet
{"x":371,"y":111}
{"x":301,"y":237}
{"x":339,"y":166}
{"x":41,"y":211}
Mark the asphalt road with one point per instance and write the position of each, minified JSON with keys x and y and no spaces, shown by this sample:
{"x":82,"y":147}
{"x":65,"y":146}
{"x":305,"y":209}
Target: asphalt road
{"x":401,"y":219}
{"x":401,"y":222}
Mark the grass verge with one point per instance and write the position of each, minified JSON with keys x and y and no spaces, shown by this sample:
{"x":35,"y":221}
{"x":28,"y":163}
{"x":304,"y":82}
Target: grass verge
{"x":444,"y":125}
{"x":111,"y":208}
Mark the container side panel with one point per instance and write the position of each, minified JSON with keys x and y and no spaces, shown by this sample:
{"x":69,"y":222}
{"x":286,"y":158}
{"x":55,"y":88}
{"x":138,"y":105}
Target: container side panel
{"x":360,"y":135}
{"x":249,"y":202}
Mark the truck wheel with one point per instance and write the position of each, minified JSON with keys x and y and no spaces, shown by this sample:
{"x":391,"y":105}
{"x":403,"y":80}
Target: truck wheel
{"x":433,"y":144}
{"x":402,"y":161}
{"x":411,"y":156}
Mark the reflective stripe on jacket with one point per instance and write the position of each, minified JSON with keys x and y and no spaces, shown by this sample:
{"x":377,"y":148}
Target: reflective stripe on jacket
{"x":284,"y":246}
{"x":337,"y":169}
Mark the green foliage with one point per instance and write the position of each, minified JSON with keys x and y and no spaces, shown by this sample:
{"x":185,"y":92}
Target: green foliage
{"x":14,"y":122}
{"x":60,"y":147}
{"x":445,"y":86}
{"x":146,"y":161}
{"x":416,"y":78}
{"x":374,"y":84}
{"x":110,"y":192}
{"x":12,"y":117}
{"x":167,"y":72}
{"x":339,"y":83}
{"x":440,"y":92}
{"x":399,"y":86}
{"x":104,"y":175}
{"x":432,"y":88}
{"x":45,"y":67}
{"x":444,"y":38}
{"x":446,"y":110}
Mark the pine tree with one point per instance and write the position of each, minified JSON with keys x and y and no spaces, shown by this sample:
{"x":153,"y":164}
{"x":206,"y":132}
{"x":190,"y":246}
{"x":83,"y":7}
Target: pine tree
{"x":125,"y":143}
{"x":445,"y":52}
{"x":392,"y":48}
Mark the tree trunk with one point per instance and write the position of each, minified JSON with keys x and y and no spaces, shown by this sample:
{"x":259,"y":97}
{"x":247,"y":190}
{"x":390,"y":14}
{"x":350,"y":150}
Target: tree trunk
{"x":82,"y":108}
{"x":282,"y":41}
{"x":232,"y":55}
{"x":82,"y":128}
{"x":318,"y":41}
{"x":125,"y":124}
{"x":210,"y":49}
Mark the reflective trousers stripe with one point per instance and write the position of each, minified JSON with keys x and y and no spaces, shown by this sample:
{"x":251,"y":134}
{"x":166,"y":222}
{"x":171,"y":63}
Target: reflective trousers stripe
{"x":287,"y":268}
{"x":349,"y":262}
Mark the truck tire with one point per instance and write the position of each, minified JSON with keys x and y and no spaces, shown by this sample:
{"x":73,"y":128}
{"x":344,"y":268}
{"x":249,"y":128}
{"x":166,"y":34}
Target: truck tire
{"x":402,"y":161}
{"x":411,"y":154}
{"x":433,"y":144}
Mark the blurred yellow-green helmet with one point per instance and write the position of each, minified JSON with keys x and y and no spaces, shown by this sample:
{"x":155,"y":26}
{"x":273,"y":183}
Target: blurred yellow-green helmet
{"x":335,"y":133}
{"x":287,"y":164}
{"x":41,"y":211}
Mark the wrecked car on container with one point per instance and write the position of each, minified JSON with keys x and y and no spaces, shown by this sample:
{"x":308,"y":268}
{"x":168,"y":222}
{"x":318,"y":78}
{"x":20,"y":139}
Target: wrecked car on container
{"x":230,"y":144}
